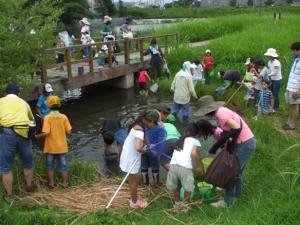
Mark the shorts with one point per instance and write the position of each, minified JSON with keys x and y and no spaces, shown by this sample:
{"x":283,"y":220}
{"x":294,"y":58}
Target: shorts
{"x":9,"y":144}
{"x":290,"y":99}
{"x":120,"y":136}
{"x":180,"y":174}
{"x":63,"y":163}
{"x":143,"y":86}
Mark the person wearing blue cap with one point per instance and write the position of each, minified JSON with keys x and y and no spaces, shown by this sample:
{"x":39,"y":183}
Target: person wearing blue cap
{"x":15,"y":117}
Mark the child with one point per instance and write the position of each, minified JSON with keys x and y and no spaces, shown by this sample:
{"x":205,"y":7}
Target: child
{"x":207,"y":62}
{"x":181,"y":166}
{"x":55,"y":128}
{"x":171,"y":140}
{"x":265,"y":99}
{"x":154,"y":134}
{"x":86,"y":40}
{"x":143,"y":78}
{"x":197,"y":71}
{"x":131,"y":153}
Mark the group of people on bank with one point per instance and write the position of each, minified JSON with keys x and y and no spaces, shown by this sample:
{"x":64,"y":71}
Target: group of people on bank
{"x":151,"y":140}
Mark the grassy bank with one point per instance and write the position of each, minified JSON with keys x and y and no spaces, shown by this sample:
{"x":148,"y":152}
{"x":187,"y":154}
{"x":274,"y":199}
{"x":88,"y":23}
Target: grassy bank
{"x":272,"y":190}
{"x":147,"y":13}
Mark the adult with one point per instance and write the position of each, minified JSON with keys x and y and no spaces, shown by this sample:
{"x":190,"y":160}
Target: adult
{"x":126,"y":28}
{"x":274,"y":74}
{"x":41,"y":105}
{"x":156,"y":59}
{"x":208,"y":63}
{"x":15,"y":117}
{"x":237,"y":132}
{"x":293,"y":89}
{"x":85,"y":26}
{"x":232,"y":77}
{"x":86,"y":39}
{"x":106,"y":28}
{"x":183,"y":89}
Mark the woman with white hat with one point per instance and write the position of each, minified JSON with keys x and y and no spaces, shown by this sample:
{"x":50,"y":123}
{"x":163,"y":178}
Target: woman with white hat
{"x":236,"y":132}
{"x":274,"y":73}
{"x":85,"y":26}
{"x":106,"y":27}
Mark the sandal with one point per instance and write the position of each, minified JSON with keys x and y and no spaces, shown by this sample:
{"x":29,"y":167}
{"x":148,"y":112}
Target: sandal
{"x":140,"y":203}
{"x":287,"y":127}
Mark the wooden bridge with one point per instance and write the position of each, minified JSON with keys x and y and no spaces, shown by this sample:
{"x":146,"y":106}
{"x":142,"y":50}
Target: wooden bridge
{"x":76,"y":73}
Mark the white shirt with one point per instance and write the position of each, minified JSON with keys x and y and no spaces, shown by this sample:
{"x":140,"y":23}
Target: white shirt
{"x":197,"y":72}
{"x":274,"y":69}
{"x":85,"y":28}
{"x":294,"y":77}
{"x":130,"y":154}
{"x":184,"y":157}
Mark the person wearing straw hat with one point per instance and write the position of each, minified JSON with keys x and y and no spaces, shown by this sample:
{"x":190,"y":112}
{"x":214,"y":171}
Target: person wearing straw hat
{"x":183,"y":89}
{"x":235,"y":129}
{"x":293,"y":89}
{"x":274,"y":74}
{"x":106,"y":27}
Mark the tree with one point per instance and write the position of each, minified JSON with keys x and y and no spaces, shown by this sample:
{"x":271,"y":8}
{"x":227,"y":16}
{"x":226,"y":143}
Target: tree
{"x":25,"y":31}
{"x":269,"y":2}
{"x":250,"y":3}
{"x":122,"y":9}
{"x":110,"y":7}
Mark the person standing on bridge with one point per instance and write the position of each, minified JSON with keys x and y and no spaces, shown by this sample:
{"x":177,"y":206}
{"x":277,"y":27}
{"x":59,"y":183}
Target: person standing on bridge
{"x":15,"y":117}
{"x":106,"y":27}
{"x":156,"y":59}
{"x":183,"y":88}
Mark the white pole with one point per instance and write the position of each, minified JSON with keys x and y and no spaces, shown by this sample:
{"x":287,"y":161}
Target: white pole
{"x":120,"y":186}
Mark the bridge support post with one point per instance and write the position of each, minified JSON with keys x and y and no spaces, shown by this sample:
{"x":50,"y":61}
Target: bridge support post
{"x":125,"y":82}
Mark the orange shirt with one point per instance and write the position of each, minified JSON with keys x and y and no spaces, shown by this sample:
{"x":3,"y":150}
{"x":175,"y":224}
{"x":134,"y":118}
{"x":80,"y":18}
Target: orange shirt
{"x":56,"y":126}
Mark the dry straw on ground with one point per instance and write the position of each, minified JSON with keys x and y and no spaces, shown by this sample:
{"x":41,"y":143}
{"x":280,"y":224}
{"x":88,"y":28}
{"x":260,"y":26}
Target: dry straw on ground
{"x":85,"y":199}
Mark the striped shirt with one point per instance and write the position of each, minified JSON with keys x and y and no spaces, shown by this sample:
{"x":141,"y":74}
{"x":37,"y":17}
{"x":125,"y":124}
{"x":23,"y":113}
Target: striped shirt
{"x":294,"y":77}
{"x":265,"y":99}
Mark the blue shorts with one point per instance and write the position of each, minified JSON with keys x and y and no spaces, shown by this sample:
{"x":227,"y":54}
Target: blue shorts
{"x":63,"y":163}
{"x":10,"y":142}
{"x":120,"y":136}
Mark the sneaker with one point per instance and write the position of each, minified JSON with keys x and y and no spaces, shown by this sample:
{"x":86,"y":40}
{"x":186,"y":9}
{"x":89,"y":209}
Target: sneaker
{"x":219,"y":204}
{"x":287,"y":127}
{"x":140,"y":203}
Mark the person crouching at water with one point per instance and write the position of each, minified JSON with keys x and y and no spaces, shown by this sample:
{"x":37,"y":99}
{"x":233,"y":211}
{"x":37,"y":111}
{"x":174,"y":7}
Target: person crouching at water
{"x":154,"y":134}
{"x":130,"y":160}
{"x":112,"y":131}
{"x":181,"y":167}
{"x":236,"y":129}
{"x":172,"y":138}
{"x":56,"y":126}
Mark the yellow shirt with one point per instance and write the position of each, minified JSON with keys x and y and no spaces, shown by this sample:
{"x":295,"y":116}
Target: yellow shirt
{"x":56,"y":126}
{"x":15,"y":111}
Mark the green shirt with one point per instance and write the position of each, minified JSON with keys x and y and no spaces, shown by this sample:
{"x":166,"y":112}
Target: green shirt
{"x":172,"y":132}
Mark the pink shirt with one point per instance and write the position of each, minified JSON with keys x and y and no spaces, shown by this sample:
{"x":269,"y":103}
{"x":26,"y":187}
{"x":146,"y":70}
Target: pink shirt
{"x":143,"y":77}
{"x":224,"y":114}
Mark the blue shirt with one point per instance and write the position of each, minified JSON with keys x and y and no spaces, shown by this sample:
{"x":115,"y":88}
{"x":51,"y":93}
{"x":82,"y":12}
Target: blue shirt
{"x":265,"y":99}
{"x":42,"y":104}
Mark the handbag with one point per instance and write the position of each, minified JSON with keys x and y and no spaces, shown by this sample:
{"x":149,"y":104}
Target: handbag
{"x":128,"y":35}
{"x":224,"y":171}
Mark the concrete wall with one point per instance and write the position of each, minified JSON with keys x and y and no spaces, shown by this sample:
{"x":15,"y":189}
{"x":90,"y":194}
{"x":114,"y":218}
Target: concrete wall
{"x":122,"y":82}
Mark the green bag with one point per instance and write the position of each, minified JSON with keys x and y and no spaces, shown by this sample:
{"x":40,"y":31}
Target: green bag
{"x":212,"y":73}
{"x":249,"y":76}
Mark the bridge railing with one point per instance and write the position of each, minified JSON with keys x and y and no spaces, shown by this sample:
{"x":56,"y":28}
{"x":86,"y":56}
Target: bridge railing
{"x":73,"y":55}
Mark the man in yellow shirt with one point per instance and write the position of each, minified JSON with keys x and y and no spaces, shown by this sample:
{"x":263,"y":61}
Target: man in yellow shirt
{"x":15,"y":117}
{"x":55,"y":129}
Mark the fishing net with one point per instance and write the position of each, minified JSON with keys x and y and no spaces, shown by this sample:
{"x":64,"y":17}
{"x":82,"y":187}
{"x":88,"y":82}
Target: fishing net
{"x":157,"y":139}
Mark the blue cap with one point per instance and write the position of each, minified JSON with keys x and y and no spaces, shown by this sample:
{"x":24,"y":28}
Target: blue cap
{"x":12,"y":89}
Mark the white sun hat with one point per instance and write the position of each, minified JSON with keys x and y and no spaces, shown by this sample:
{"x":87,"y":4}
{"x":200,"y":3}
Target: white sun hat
{"x":248,"y":61}
{"x":48,"y":88}
{"x":207,"y":51}
{"x":85,"y":21}
{"x":271,"y":52}
{"x":106,"y":19}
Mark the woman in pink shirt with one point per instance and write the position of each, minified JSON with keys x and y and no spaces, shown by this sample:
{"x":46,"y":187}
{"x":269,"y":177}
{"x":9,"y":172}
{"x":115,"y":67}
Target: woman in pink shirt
{"x":235,"y":130}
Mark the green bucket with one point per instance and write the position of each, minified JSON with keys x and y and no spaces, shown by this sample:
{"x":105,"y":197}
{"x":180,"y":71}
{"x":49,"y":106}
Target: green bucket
{"x":205,"y":190}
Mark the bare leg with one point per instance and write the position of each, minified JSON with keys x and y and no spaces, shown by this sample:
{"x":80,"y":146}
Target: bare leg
{"x":167,"y":166}
{"x":177,"y":194}
{"x":65,"y":176}
{"x":187,"y":196}
{"x":28,"y":177}
{"x":133,"y":184}
{"x":51,"y":178}
{"x":293,"y":115}
{"x":7,"y":179}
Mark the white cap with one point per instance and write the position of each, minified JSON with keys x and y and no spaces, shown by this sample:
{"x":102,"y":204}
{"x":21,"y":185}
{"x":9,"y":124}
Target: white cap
{"x":248,"y":61}
{"x":271,"y":52}
{"x":207,"y":51}
{"x":48,"y":88}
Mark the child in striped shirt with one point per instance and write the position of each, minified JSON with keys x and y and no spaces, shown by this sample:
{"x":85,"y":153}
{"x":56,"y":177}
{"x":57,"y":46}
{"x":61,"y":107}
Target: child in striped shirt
{"x":265,"y":99}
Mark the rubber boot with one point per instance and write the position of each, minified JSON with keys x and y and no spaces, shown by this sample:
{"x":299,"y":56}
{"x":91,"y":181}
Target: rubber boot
{"x":156,"y":180}
{"x":145,"y":179}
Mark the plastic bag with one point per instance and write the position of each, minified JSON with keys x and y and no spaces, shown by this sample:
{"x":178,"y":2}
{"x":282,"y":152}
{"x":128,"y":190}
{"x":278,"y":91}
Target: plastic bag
{"x":154,"y":88}
{"x":166,"y":70}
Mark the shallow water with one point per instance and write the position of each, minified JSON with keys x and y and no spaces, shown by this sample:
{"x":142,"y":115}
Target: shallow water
{"x":97,"y":103}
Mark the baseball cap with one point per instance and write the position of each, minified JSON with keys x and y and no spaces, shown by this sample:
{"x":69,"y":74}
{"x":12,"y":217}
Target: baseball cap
{"x":48,"y":88}
{"x":53,"y":100}
{"x":12,"y":89}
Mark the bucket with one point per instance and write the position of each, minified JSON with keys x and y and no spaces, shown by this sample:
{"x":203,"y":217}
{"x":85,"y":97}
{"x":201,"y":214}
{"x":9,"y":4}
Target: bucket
{"x":205,"y":190}
{"x":80,"y":70}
